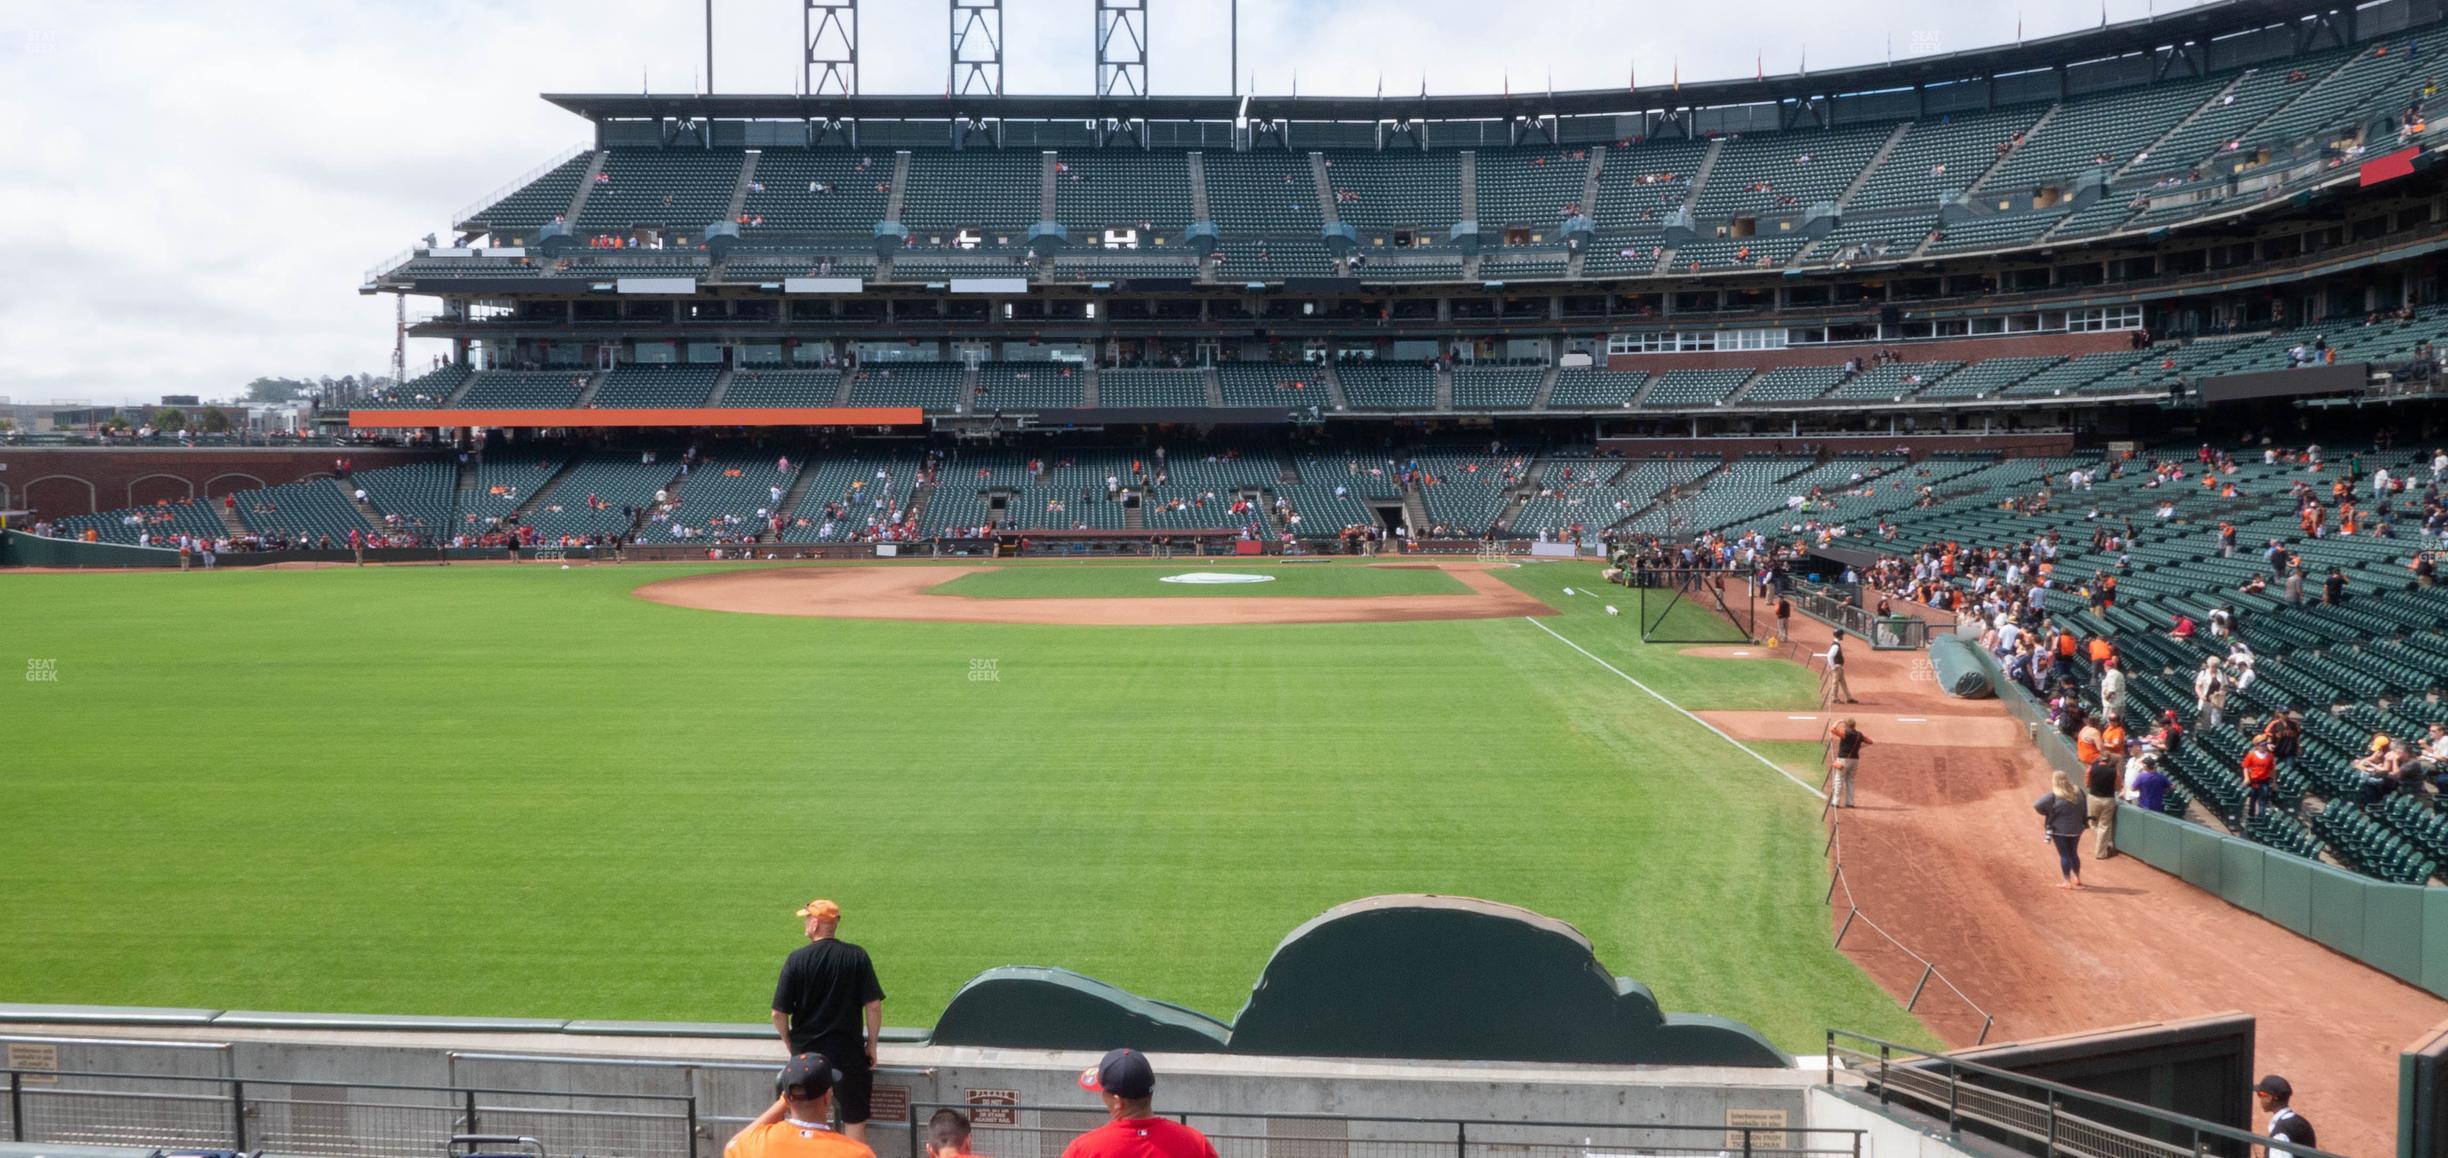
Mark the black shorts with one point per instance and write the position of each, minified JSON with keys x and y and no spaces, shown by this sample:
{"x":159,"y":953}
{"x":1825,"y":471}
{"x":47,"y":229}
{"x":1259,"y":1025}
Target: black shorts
{"x":855,"y":1089}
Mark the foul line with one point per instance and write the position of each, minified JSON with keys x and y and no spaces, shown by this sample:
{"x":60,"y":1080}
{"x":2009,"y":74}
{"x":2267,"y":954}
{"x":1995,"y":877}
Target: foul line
{"x":1773,"y":766}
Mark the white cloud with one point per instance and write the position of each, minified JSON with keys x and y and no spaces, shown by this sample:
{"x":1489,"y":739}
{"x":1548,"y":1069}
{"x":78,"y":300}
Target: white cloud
{"x":195,"y":190}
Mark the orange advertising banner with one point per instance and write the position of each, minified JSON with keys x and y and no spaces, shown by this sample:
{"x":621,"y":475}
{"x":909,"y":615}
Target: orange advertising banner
{"x":727,"y":416}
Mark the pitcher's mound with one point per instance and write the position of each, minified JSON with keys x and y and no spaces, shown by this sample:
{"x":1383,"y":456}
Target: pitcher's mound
{"x":900,"y":592}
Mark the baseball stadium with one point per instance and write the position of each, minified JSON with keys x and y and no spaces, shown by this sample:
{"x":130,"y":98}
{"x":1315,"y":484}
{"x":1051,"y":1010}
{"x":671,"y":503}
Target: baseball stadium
{"x":1872,"y":611}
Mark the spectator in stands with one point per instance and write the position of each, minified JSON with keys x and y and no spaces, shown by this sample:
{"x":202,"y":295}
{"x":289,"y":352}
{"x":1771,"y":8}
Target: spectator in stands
{"x":1128,"y":1086}
{"x":2209,"y":694}
{"x":795,"y":1125}
{"x":2062,"y":816}
{"x":2275,"y":1096}
{"x":2112,"y":690}
{"x":827,"y":988}
{"x":2382,"y":768}
{"x":948,"y":1135}
{"x":2260,"y":777}
{"x":2103,"y":779}
{"x":2147,"y":786}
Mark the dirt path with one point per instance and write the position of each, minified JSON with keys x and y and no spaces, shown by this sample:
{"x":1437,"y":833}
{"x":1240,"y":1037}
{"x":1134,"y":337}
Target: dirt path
{"x":1945,"y":853}
{"x":902,"y":593}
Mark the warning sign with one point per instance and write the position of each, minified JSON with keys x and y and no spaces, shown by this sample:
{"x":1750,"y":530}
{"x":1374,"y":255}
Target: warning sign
{"x":994,"y":1107}
{"x":1767,"y":1129}
{"x":888,"y":1104}
{"x":37,"y":1061}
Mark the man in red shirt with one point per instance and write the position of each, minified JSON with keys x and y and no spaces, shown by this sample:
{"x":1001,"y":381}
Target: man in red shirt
{"x":796,"y":1125}
{"x":2260,"y":776}
{"x":1129,"y":1089}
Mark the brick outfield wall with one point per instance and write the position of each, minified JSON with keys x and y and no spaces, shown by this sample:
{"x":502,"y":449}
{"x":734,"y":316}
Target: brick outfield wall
{"x":1951,"y":350}
{"x":55,"y":481}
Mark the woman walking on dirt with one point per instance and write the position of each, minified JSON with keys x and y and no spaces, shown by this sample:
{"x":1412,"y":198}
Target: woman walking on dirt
{"x":2062,"y":816}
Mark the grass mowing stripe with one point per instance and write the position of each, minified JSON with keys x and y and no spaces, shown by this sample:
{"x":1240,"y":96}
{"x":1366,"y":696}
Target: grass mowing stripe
{"x":1779,"y":769}
{"x":525,"y":792}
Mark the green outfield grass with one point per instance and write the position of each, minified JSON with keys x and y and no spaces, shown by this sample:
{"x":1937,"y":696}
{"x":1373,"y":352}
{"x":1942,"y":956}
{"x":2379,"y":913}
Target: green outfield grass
{"x":522,"y":791}
{"x":1103,"y":581}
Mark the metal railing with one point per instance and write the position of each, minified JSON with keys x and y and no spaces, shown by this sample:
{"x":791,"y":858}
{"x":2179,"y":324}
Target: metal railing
{"x":1043,"y":1131}
{"x":468,"y":212}
{"x":1840,"y":606}
{"x":2032,"y":1114}
{"x":334,"y":1119}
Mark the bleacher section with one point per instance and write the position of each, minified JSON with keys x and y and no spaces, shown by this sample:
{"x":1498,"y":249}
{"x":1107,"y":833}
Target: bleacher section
{"x":1496,"y":387}
{"x":1641,"y":183}
{"x":587,"y":500}
{"x":677,"y":189}
{"x":504,"y":480}
{"x":1596,"y":493}
{"x":1386,"y":190}
{"x":1938,"y":159}
{"x":1029,"y":386}
{"x":840,"y":492}
{"x":818,"y":191}
{"x":421,"y":496}
{"x":426,"y":391}
{"x":783,"y":388}
{"x":992,"y":190}
{"x":1771,"y":173}
{"x":160,"y":520}
{"x":1096,"y":190}
{"x":535,"y":204}
{"x":1594,"y":388}
{"x":311,"y":510}
{"x":1274,"y":384}
{"x":1892,"y":382}
{"x":1261,"y":192}
{"x":524,"y":390}
{"x":2101,"y":133}
{"x":1387,"y":385}
{"x":1271,"y":260}
{"x":1528,"y":188}
{"x":1791,"y":384}
{"x":1678,"y":389}
{"x":934,"y":385}
{"x":1152,"y":388}
{"x":656,"y":386}
{"x":721,"y":498}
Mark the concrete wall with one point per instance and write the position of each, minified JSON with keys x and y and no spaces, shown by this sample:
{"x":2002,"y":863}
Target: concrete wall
{"x":731,"y":1080}
{"x":1886,"y":1136}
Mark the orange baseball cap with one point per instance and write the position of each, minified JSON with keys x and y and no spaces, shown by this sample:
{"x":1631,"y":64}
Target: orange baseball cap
{"x":822,"y":910}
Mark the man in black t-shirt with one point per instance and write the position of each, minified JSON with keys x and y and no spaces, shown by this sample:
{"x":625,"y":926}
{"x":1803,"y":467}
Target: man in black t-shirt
{"x":828,"y":1001}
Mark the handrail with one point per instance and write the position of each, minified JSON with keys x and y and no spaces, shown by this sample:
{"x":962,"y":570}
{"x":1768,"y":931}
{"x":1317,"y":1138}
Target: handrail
{"x":1717,"y":1138}
{"x":322,"y":1083}
{"x":468,"y":212}
{"x":1918,"y":1063}
{"x":388,"y":265}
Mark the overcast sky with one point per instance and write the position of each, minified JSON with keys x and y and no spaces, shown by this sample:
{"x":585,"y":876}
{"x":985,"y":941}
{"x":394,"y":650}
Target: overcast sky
{"x":196,"y":189}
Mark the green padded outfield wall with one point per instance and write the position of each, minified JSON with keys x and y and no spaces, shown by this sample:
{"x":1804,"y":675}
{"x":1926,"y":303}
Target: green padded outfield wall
{"x":1414,"y":977}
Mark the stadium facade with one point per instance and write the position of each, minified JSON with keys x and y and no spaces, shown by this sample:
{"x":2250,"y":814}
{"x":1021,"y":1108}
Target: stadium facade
{"x":2070,"y":233}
